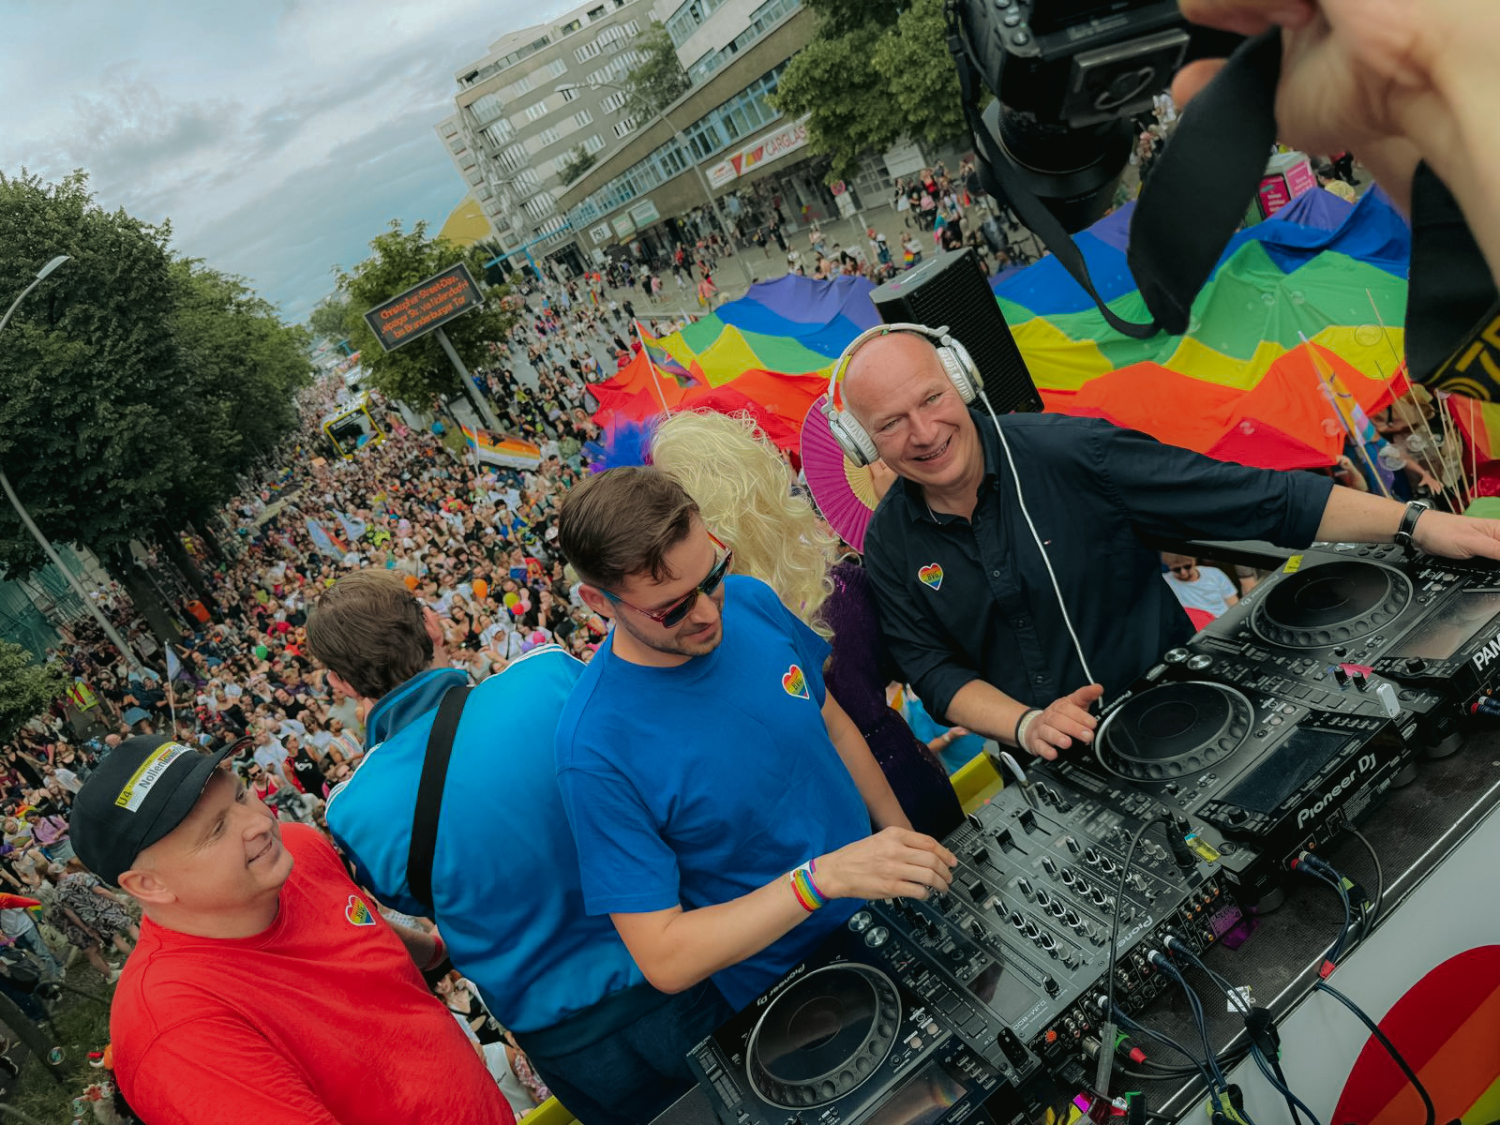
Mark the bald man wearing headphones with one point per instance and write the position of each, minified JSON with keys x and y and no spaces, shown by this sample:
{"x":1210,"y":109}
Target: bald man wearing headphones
{"x":1009,"y":561}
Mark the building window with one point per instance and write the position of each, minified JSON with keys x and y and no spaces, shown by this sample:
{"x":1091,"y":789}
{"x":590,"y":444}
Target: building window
{"x":536,"y":112}
{"x":593,"y":144}
{"x":588,"y":51}
{"x":539,"y":206}
{"x":613,"y":102}
{"x":632,"y":27}
{"x":546,"y":137}
{"x":570,"y":26}
{"x":568,"y":93}
{"x":583,"y":117}
{"x":513,"y":158}
{"x":597,"y":13}
{"x":520,"y":86}
{"x":556,"y":68}
{"x":624,"y":128}
{"x":500,"y":132}
{"x":487,"y":108}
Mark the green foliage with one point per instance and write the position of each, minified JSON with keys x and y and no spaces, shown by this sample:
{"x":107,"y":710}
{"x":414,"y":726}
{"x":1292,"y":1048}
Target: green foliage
{"x":330,"y":319}
{"x":659,"y":80}
{"x":870,"y":77}
{"x":132,"y":386}
{"x":418,"y":371}
{"x":579,"y":162}
{"x":838,"y":17}
{"x":26,"y":688}
{"x":240,"y":369}
{"x":88,"y":373}
{"x":80,"y":1024}
{"x":920,"y":74}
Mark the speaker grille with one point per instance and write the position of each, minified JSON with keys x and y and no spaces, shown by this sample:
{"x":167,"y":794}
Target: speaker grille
{"x":952,"y":289}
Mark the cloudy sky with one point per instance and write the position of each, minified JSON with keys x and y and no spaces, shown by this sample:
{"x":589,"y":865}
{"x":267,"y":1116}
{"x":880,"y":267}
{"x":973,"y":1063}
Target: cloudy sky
{"x":279,"y":136}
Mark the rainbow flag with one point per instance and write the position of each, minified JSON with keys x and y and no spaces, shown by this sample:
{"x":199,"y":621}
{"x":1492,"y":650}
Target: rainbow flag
{"x":510,"y":453}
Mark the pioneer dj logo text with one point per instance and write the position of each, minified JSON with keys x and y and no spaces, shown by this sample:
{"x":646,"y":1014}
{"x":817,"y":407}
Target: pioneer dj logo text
{"x":1365,"y":764}
{"x":1487,"y":655}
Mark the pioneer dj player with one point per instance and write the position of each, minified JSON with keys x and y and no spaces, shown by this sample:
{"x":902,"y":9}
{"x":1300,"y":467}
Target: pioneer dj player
{"x":1365,"y":629}
{"x":1267,"y":769}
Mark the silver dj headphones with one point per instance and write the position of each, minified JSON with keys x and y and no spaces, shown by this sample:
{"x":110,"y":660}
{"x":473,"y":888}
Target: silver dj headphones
{"x":857,"y":445}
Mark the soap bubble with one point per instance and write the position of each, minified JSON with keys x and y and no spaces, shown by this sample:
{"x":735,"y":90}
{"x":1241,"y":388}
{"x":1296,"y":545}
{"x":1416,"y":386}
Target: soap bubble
{"x":1332,"y":428}
{"x":1247,"y":427}
{"x":1390,"y":458}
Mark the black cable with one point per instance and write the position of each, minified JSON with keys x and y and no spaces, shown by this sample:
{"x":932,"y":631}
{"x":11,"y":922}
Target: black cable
{"x":1314,"y":870}
{"x":1270,"y":1067}
{"x":1379,"y":875}
{"x":1218,"y":1093}
{"x":1390,"y":1048}
{"x":1114,"y":924}
{"x":1198,"y":1069}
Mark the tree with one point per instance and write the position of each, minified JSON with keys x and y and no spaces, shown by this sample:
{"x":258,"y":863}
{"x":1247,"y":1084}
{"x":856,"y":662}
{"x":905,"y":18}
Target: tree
{"x":26,"y":688}
{"x":134,"y":387}
{"x":418,"y":371}
{"x":88,"y":371}
{"x":579,"y":162}
{"x":872,"y":74}
{"x":659,"y":80}
{"x":330,"y":318}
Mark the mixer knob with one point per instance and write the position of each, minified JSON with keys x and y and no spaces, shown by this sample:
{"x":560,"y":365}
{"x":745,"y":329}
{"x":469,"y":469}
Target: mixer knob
{"x":1058,"y":909}
{"x":1199,"y":662}
{"x":1081,"y":885}
{"x":1051,"y":986}
{"x":1016,"y":920}
{"x":1043,"y":898}
{"x":1175,"y":655}
{"x":1073,"y":845}
{"x":1023,"y":885}
{"x":1048,"y":942}
{"x":976,"y":889}
{"x":1107,"y":865}
{"x":1097,"y":897}
{"x":1032,"y":930}
{"x":1066,"y":875}
{"x":1090,"y":856}
{"x":1071,"y":918}
{"x":975,"y":928}
{"x":1067,"y":958}
{"x":1049,"y":865}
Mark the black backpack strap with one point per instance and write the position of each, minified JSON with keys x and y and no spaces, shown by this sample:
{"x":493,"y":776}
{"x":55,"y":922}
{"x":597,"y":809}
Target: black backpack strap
{"x":424,"y":821}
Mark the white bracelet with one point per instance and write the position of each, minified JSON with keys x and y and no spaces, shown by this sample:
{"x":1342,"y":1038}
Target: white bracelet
{"x":1025,"y":728}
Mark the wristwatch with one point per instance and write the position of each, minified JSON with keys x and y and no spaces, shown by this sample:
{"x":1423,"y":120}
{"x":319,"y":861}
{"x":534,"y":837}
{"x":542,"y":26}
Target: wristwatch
{"x":1404,"y":533}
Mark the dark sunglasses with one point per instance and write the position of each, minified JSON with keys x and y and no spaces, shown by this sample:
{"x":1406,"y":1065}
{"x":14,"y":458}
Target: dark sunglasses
{"x":1182,"y":569}
{"x":675,"y":613}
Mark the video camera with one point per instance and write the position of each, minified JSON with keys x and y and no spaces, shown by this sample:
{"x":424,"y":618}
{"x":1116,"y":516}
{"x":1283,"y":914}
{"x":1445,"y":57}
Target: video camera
{"x":1068,"y":75}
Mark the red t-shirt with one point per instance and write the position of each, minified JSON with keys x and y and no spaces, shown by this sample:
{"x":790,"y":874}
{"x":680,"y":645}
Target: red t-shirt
{"x":323,"y":1019}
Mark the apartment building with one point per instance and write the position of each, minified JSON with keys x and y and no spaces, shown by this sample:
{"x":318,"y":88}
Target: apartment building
{"x":524,"y":113}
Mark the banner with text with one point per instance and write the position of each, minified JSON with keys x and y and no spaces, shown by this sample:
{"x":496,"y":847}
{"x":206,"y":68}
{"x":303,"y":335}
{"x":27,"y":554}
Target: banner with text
{"x":424,"y":307}
{"x":771,"y":147}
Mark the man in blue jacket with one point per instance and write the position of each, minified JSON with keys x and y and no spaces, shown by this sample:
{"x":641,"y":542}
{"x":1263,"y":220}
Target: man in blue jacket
{"x":506,"y":888}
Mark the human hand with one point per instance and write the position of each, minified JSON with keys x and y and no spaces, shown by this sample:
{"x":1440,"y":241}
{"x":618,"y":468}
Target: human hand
{"x":893,"y":862}
{"x":1353,"y":71}
{"x":1063,"y":721}
{"x":1457,"y":537}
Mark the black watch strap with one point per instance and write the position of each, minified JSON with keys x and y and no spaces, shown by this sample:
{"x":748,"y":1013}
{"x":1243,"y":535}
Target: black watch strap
{"x":1404,"y":533}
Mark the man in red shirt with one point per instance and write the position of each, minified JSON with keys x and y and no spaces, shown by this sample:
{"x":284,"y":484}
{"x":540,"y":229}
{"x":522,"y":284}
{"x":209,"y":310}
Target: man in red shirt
{"x":266,"y":987}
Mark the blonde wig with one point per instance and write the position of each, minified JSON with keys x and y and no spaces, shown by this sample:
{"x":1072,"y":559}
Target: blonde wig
{"x":744,"y":491}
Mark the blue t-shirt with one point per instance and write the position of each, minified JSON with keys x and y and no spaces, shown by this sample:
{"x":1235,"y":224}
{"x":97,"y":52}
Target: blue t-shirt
{"x":698,"y":784}
{"x":505,"y":875}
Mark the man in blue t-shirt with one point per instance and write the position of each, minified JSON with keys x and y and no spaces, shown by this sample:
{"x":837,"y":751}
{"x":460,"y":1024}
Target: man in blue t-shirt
{"x":721,"y":800}
{"x":505,"y":874}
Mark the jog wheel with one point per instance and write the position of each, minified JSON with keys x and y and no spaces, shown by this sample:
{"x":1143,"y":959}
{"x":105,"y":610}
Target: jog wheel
{"x":1331,"y":604}
{"x":1174,"y":730}
{"x":823,"y":1036}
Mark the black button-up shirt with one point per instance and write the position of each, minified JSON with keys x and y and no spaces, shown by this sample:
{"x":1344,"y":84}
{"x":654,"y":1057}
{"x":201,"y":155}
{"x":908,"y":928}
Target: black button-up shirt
{"x":970,"y":599}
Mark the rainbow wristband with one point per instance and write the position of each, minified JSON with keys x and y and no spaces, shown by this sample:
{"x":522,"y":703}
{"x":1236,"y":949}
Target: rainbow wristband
{"x":808,"y":895}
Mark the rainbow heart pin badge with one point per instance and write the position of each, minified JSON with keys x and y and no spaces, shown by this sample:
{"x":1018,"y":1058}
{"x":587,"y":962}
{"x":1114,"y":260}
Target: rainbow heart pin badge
{"x":931,"y":575}
{"x":795,"y":683}
{"x":358,"y":913}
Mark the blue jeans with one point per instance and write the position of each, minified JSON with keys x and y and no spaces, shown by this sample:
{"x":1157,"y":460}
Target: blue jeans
{"x":634,"y":1072}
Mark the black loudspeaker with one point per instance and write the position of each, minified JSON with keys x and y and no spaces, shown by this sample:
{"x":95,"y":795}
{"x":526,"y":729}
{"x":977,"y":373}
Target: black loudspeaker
{"x":952,"y":289}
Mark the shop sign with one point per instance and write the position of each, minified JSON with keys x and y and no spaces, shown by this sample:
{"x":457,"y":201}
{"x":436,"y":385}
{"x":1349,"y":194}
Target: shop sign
{"x":624,"y":226}
{"x":644,"y":213}
{"x":771,"y":147}
{"x":601,"y":233}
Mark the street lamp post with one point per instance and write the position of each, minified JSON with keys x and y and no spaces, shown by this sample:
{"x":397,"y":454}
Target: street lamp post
{"x":708,"y":195}
{"x":26,"y":521}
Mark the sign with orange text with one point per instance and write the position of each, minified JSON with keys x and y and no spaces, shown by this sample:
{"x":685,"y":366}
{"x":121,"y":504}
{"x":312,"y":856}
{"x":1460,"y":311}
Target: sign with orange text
{"x":426,"y":306}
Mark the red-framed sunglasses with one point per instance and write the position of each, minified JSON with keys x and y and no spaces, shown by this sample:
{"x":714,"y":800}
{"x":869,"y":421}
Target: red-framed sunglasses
{"x":674,"y":614}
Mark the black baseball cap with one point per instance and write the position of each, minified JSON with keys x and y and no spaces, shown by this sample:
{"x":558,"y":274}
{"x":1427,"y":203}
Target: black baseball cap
{"x":142,"y":791}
